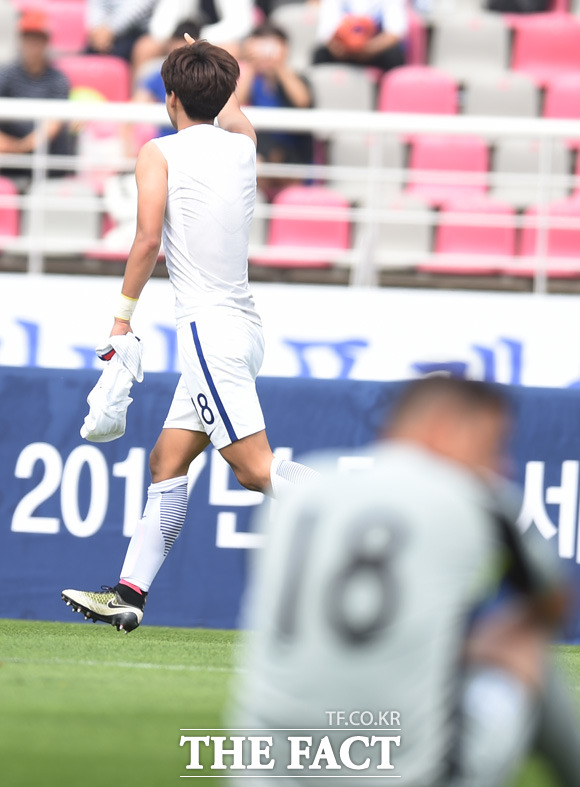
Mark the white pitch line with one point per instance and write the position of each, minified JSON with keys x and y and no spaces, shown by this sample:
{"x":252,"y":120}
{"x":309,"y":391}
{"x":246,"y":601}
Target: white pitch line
{"x":124,"y":665}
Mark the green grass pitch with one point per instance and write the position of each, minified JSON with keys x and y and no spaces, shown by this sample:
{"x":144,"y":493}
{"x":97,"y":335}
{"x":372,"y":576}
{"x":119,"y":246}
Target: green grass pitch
{"x":84,"y":706}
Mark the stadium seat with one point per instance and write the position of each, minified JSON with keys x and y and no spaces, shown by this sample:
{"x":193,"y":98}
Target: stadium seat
{"x":9,"y":216}
{"x":556,"y":7}
{"x":467,"y":45}
{"x":462,"y":247}
{"x":402,"y":242}
{"x":576,"y":185}
{"x":546,"y":45}
{"x":418,"y":89}
{"x":341,"y":87}
{"x":68,"y":25}
{"x":561,"y":100}
{"x":107,"y":75}
{"x":353,"y":150}
{"x":299,"y":21}
{"x":447,"y":167}
{"x":449,"y":8}
{"x":521,"y":157}
{"x":63,"y":225}
{"x":502,"y":95}
{"x":8,"y":36}
{"x":66,"y":21}
{"x":562,"y":243}
{"x":323,"y":233}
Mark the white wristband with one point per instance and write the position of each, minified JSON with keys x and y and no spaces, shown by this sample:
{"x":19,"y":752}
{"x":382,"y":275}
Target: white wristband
{"x":125,"y":308}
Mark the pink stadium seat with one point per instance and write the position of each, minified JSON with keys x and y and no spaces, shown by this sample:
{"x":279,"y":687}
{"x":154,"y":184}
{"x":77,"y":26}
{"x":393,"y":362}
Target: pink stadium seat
{"x":546,"y":45}
{"x":556,"y":7}
{"x":458,"y":245}
{"x":418,"y":89}
{"x":323,"y":233}
{"x":109,"y":78}
{"x":105,"y":74}
{"x":447,"y":157}
{"x":66,"y":20}
{"x":562,"y":99}
{"x":9,"y":216}
{"x":561,"y":242}
{"x":68,"y":26}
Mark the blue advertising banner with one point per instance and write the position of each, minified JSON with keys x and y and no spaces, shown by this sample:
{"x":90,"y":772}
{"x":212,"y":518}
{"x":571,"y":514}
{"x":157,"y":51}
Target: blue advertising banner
{"x":68,"y":507}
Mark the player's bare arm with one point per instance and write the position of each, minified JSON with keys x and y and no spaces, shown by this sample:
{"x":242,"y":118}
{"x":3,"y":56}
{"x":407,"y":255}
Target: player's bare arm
{"x":231,"y":118}
{"x":151,"y":175}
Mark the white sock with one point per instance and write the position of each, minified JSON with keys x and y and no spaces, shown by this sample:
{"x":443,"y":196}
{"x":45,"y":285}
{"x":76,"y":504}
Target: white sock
{"x":285,"y":475}
{"x":156,"y":532}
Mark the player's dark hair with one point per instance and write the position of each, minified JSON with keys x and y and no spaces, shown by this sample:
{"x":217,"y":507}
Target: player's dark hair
{"x":189,"y":26}
{"x":468,"y":395}
{"x":202,"y":76}
{"x":268,"y":30}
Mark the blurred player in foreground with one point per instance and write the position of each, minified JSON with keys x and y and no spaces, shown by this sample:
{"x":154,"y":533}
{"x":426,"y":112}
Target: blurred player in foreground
{"x":366,"y":591}
{"x":198,"y":188}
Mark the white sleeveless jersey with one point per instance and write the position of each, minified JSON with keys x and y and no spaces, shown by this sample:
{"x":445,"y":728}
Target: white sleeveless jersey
{"x":210,"y":203}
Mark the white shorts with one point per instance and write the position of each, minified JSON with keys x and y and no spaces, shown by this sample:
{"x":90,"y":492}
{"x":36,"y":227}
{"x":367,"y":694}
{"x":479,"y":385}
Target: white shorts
{"x":220,"y":358}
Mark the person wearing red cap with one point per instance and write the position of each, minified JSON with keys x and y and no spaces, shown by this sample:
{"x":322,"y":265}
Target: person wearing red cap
{"x":32,"y":76}
{"x":362,"y":32}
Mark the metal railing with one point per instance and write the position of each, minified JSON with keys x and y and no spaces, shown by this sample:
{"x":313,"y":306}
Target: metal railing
{"x":365,"y":255}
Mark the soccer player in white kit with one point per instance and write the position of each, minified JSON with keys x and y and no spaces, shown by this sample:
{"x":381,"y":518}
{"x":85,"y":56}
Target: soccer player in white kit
{"x":361,"y":604}
{"x":196,"y":191}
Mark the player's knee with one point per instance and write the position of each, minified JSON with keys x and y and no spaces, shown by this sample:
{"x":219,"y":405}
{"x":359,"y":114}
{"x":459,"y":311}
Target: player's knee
{"x":254,"y":479}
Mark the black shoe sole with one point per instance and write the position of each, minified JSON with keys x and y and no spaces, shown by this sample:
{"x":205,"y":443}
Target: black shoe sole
{"x":122,"y":621}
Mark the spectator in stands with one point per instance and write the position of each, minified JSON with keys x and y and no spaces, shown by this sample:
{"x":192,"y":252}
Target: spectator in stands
{"x":267,"y":80}
{"x":32,"y":76}
{"x":267,"y":6}
{"x":223,"y":22}
{"x":362,"y":32}
{"x":115,"y":25}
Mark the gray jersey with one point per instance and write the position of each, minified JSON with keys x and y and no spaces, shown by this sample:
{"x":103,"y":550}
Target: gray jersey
{"x":362,"y":600}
